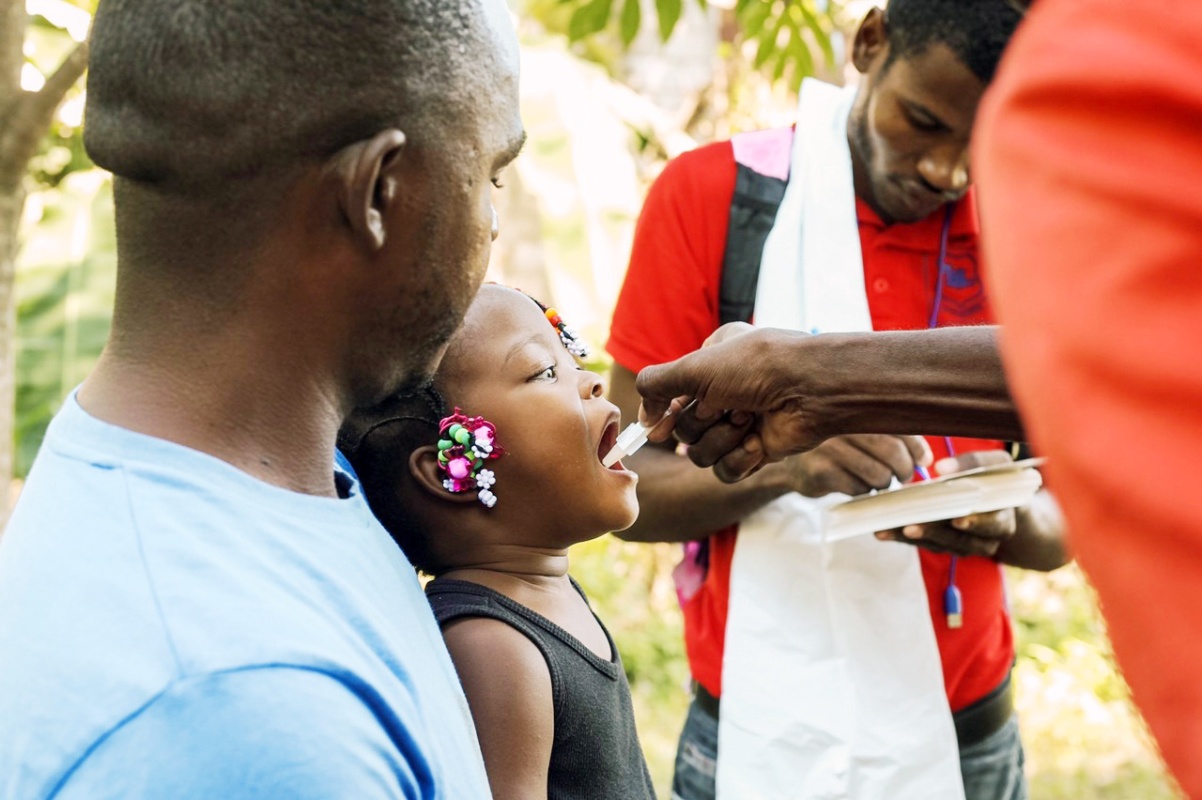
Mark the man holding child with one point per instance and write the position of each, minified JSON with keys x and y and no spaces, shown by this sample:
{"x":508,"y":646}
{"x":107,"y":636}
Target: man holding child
{"x":193,"y":601}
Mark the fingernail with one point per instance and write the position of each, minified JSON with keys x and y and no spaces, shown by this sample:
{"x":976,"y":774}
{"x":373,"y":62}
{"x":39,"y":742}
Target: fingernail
{"x":962,"y":524}
{"x":946,"y":466}
{"x":912,"y":532}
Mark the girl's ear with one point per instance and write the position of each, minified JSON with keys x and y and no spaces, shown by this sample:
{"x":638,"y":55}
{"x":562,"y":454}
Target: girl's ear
{"x":423,"y":466}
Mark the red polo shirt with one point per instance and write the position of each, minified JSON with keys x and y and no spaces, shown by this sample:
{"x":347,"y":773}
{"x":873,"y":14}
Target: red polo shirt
{"x":669,"y":305}
{"x":1090,"y":147}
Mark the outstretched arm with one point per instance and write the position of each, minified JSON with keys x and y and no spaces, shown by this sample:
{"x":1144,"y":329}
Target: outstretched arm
{"x":796,"y":390}
{"x":679,"y":502}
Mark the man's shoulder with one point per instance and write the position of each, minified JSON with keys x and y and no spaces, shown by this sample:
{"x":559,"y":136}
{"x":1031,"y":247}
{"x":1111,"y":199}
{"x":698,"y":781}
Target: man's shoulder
{"x":696,"y":176}
{"x":766,"y":151}
{"x":705,"y":155}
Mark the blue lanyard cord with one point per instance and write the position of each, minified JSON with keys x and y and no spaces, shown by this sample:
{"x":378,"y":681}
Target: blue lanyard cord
{"x":953,"y":603}
{"x":944,"y":269}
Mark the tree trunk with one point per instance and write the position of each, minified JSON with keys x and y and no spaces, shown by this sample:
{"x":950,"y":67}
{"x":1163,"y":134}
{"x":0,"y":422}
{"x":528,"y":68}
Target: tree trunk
{"x":24,"y":119}
{"x":12,"y":201}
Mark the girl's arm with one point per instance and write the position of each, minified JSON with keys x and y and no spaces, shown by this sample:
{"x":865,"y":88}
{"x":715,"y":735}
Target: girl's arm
{"x":508,"y":688}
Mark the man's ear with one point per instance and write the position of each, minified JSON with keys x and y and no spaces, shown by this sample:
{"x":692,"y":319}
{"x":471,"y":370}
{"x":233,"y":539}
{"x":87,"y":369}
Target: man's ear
{"x":367,"y":183}
{"x":423,"y":466}
{"x":872,"y":40}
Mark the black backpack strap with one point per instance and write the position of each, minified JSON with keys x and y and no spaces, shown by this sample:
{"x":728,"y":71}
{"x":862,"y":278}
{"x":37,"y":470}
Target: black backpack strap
{"x":752,"y":211}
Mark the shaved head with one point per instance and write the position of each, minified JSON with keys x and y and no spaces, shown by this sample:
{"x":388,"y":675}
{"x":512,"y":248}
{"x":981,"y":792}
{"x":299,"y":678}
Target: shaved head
{"x":185,"y":93}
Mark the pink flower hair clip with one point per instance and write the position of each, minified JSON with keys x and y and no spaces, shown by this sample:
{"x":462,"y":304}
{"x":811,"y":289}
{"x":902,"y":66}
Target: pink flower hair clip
{"x":464,"y":444}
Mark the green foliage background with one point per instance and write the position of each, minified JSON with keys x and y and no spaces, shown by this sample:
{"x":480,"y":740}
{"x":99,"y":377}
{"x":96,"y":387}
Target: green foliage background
{"x":785,"y":34}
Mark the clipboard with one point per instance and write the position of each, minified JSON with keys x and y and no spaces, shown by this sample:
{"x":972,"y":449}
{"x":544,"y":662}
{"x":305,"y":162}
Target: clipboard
{"x":974,"y":491}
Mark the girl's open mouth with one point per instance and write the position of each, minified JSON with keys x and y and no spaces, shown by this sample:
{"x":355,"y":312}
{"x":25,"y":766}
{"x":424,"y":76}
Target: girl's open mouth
{"x":609,"y":438}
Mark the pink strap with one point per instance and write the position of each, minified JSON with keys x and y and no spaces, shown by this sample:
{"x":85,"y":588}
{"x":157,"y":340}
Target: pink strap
{"x":767,"y":152}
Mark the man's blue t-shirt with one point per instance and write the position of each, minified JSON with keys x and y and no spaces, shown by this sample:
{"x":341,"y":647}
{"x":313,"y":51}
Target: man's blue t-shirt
{"x":172,"y":627}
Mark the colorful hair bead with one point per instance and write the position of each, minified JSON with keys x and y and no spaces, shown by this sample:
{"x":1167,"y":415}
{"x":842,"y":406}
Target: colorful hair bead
{"x":571,"y":340}
{"x":464,"y":444}
{"x":567,"y":334}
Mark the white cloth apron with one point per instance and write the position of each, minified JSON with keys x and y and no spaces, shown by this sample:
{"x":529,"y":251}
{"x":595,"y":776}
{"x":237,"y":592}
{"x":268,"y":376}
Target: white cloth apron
{"x":831,"y":680}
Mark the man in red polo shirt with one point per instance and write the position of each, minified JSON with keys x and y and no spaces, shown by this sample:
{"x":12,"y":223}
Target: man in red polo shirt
{"x":925,"y":64}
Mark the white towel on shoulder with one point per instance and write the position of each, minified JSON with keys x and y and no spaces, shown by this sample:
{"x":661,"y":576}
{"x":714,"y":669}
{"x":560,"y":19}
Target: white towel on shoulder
{"x":832,"y":687}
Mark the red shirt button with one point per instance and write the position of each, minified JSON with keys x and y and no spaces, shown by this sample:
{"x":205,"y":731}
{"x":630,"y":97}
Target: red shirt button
{"x":880,"y":285}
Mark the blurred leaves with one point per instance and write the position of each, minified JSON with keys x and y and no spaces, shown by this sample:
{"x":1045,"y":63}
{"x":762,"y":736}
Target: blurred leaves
{"x":790,"y":39}
{"x":632,"y":18}
{"x":65,"y":274}
{"x":1084,"y":739}
{"x":61,"y":151}
{"x":589,"y":18}
{"x":64,"y":286}
{"x":668,"y":12}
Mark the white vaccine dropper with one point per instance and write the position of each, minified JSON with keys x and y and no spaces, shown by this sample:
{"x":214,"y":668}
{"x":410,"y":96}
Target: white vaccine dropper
{"x":634,"y":437}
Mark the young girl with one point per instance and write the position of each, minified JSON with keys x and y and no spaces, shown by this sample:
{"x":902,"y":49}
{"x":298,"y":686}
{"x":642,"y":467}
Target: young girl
{"x":485,"y":479}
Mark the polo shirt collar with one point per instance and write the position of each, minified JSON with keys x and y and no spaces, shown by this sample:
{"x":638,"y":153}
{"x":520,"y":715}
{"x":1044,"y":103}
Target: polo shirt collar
{"x":924,"y":234}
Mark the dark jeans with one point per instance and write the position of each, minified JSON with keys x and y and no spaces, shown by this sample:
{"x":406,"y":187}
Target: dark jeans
{"x":696,"y":757}
{"x":992,"y":769}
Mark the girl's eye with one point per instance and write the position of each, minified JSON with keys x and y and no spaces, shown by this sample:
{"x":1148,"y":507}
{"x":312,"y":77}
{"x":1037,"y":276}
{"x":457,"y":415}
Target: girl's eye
{"x":547,"y":374}
{"x":497,"y":183}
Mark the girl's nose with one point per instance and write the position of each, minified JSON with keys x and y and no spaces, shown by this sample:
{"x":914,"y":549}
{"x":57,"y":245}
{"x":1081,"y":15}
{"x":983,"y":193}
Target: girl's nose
{"x":593,"y":384}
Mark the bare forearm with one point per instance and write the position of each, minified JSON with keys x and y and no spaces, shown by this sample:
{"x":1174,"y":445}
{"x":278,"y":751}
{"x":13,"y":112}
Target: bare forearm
{"x":943,"y":382}
{"x":679,"y":502}
{"x":1038,"y":542}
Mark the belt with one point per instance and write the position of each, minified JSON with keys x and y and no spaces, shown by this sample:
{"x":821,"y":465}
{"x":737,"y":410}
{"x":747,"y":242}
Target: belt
{"x":974,"y":723}
{"x":705,"y":701}
{"x":987,"y":716}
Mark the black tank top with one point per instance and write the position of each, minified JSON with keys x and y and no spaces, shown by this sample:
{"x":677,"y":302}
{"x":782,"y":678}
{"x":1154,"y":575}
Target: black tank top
{"x":595,"y":754}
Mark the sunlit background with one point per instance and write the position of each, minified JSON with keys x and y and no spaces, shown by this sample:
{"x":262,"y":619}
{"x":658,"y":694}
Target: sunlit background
{"x":606,"y":101}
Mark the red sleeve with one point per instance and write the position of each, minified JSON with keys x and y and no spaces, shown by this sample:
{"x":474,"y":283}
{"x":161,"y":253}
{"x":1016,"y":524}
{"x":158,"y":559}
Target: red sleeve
{"x":669,"y":300}
{"x":1089,"y":170}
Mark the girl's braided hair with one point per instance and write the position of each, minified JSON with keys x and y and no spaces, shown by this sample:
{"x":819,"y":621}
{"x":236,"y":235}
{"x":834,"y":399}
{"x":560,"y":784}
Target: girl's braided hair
{"x":378,"y":442}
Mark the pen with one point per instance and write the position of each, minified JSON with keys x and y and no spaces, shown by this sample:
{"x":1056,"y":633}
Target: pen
{"x":953,"y":602}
